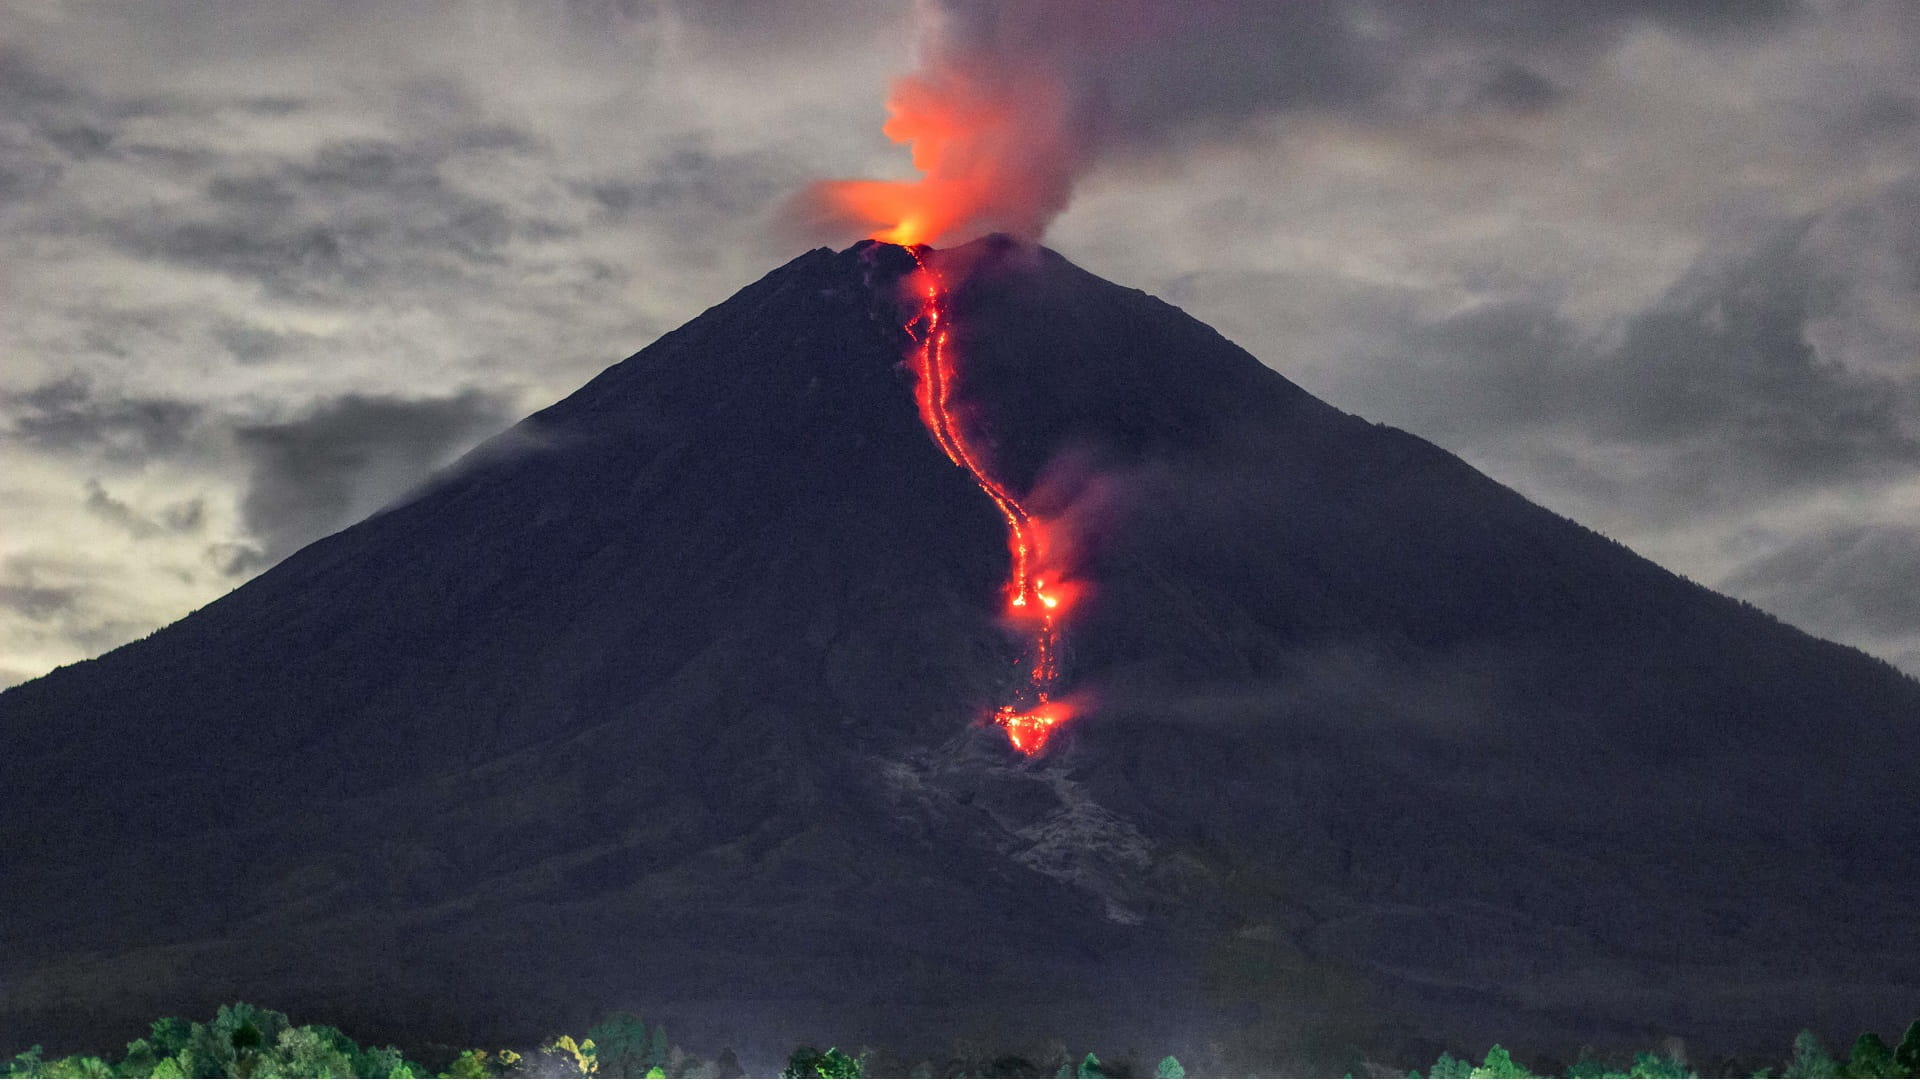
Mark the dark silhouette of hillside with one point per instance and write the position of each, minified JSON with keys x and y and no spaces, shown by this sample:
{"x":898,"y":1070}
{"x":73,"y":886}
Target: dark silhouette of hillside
{"x":667,"y":699}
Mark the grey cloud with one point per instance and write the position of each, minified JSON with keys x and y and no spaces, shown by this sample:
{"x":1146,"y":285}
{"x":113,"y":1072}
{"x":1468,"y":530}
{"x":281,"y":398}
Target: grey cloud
{"x":48,"y":124}
{"x":38,"y":602}
{"x":1163,"y":71}
{"x":249,"y":343}
{"x":790,"y":26}
{"x":235,"y":558}
{"x":1887,"y":114}
{"x":367,"y":164}
{"x":1841,"y":581}
{"x":185,"y":516}
{"x":346,"y":215}
{"x":39,"y":127}
{"x":1717,"y":388}
{"x":354,"y":215}
{"x":286,"y":260}
{"x":180,"y":517}
{"x":689,"y":192}
{"x":110,"y":509}
{"x":262,"y":193}
{"x":1729,"y":356}
{"x":1872,"y":117}
{"x":274,"y":105}
{"x":23,"y":84}
{"x":169,"y":159}
{"x":1518,"y":88}
{"x":1169,"y":70}
{"x":22,"y":174}
{"x":67,"y":416}
{"x":347,"y":458}
{"x":80,"y":140}
{"x":692,"y":177}
{"x":55,"y":598}
{"x":1559,"y":21}
{"x":600,"y":14}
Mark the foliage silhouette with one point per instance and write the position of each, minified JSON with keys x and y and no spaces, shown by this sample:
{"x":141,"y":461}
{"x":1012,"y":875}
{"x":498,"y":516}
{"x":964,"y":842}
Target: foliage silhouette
{"x":808,"y":1063}
{"x":583,"y":1055}
{"x":621,"y":1039}
{"x":1810,"y":1058}
{"x":1906,"y":1056}
{"x":242,"y":1040}
{"x":1871,"y":1058}
{"x":1499,"y":1065}
{"x":245,"y":1041}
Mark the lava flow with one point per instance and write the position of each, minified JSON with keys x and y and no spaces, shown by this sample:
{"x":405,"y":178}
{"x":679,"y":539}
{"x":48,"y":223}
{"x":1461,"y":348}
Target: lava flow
{"x":1032,"y":606}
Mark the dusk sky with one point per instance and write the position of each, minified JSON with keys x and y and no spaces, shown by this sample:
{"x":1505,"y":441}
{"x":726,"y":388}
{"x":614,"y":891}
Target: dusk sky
{"x":264,"y":266}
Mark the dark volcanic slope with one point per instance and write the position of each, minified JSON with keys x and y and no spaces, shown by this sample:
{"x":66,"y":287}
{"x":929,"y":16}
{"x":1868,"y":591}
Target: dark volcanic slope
{"x":663,"y":700}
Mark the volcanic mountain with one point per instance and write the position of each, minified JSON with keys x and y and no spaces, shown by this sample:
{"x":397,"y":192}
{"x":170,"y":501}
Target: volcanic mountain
{"x":674,"y":698}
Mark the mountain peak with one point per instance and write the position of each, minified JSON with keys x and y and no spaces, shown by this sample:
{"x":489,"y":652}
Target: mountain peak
{"x":682,"y":691}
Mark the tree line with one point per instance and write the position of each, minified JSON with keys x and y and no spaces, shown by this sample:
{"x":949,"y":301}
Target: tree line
{"x":243,"y":1040}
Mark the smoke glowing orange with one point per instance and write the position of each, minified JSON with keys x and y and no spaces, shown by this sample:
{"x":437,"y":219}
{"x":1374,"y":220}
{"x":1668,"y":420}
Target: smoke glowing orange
{"x":996,"y":149}
{"x":1033,"y":605}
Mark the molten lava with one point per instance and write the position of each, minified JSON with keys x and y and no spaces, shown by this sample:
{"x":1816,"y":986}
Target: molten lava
{"x":1033,"y":607}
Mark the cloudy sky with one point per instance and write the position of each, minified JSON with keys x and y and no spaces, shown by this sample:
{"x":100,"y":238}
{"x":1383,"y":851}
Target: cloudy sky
{"x":1653,"y":263}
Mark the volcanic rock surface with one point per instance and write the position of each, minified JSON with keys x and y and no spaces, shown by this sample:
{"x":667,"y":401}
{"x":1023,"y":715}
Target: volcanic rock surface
{"x":670,"y":699}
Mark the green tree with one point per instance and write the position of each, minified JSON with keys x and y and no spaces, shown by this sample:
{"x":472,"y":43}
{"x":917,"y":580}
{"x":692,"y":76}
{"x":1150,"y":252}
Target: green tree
{"x":140,"y":1060}
{"x":166,"y":1038}
{"x":233,"y":1044}
{"x":1590,"y":1068}
{"x":1906,"y":1056}
{"x":806,"y":1062}
{"x":1810,"y":1058}
{"x":1648,"y":1065}
{"x":470,"y":1065}
{"x":383,"y":1061}
{"x":1448,"y":1067}
{"x":836,"y":1065}
{"x":583,"y":1055}
{"x":621,"y":1039}
{"x":26,"y":1062}
{"x":315,"y":1050}
{"x":83,"y":1066}
{"x":169,"y":1035}
{"x":658,"y":1048}
{"x":1499,"y":1065}
{"x":1170,"y":1069}
{"x":800,"y":1064}
{"x":1872,"y":1058}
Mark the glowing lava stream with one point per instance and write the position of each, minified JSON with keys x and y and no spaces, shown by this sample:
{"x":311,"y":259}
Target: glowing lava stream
{"x":1031,"y":606}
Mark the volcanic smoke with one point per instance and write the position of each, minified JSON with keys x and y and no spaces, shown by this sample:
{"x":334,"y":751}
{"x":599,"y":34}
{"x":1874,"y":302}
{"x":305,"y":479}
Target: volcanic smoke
{"x":1033,"y":606}
{"x":994,"y":136}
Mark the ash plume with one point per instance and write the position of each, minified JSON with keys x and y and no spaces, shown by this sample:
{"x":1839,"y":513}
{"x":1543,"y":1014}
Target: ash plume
{"x":1014,"y":102}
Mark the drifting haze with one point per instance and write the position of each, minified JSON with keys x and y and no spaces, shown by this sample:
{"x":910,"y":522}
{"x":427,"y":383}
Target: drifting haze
{"x":265,"y":266}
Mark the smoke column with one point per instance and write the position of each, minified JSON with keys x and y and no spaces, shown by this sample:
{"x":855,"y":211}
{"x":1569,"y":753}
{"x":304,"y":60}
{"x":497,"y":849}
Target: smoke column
{"x":996,"y":133}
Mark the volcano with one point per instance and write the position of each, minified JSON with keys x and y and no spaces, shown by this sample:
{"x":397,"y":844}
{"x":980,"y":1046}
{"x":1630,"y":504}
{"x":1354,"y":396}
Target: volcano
{"x":678,"y":697}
